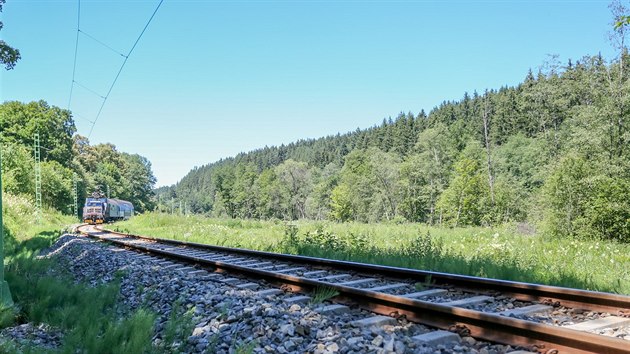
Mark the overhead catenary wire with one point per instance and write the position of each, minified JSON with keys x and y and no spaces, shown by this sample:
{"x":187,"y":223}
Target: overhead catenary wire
{"x":101,"y":43}
{"x":76,"y":50}
{"x":89,"y":89}
{"x":122,"y":66}
{"x":74,"y":69}
{"x":82,"y":117}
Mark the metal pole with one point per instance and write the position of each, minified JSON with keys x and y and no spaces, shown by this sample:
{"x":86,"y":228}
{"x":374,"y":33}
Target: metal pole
{"x":5,"y":294}
{"x":38,"y":178}
{"x":75,"y":194}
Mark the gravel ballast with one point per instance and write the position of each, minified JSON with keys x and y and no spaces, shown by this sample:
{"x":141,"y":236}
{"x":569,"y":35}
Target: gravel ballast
{"x":220,"y":317}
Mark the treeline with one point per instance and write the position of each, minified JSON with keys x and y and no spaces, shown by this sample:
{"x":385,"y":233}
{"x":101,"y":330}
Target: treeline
{"x":63,"y":152}
{"x":552,"y":151}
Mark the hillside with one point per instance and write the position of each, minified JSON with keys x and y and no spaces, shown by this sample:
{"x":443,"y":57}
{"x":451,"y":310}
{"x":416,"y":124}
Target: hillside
{"x":551,"y":151}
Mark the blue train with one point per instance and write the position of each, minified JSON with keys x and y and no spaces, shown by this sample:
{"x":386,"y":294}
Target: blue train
{"x":98,"y":210}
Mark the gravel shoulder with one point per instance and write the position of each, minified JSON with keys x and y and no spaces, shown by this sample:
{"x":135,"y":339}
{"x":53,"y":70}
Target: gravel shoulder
{"x":213,"y":315}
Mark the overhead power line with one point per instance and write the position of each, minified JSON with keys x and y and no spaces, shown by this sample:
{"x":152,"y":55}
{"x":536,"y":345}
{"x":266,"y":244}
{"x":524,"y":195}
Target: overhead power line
{"x":89,"y":89}
{"x":82,"y":117}
{"x":76,"y":50}
{"x":102,"y":43}
{"x":74,"y":69}
{"x":123,"y":65}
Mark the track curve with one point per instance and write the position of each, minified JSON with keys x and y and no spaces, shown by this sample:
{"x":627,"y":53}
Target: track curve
{"x":292,"y":272}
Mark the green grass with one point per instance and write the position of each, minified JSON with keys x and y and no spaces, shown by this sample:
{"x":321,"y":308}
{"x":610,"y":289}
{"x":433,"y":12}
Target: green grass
{"x":90,"y":318}
{"x":177,"y":327}
{"x":500,"y":252}
{"x":322,"y":294}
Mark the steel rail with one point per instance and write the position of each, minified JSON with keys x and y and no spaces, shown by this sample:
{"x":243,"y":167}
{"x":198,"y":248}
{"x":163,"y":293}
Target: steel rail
{"x":536,"y":336}
{"x":573,"y":298}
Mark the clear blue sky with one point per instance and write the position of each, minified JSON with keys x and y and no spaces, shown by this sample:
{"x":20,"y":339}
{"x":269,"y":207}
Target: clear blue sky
{"x":210,"y":79}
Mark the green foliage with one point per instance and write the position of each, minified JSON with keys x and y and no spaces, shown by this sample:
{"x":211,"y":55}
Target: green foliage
{"x":424,"y":247}
{"x":270,"y":195}
{"x":295,"y":179}
{"x":128,"y":176}
{"x":464,"y":202}
{"x":19,"y":122}
{"x":340,"y":203}
{"x":290,"y":234}
{"x":8,"y":55}
{"x":322,"y":294}
{"x":57,"y":184}
{"x":581,"y":201}
{"x":482,"y":160}
{"x":86,"y":314}
{"x":63,"y":153}
{"x":178,"y":327}
{"x":324,"y":239}
{"x":89,"y":317}
{"x":245,"y":347}
{"x":8,"y":315}
{"x":608,"y":212}
{"x":497,"y":252}
{"x":17,"y":169}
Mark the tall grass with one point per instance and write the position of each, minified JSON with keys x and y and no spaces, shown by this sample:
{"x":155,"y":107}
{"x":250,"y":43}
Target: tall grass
{"x":89,"y":317}
{"x":500,"y":252}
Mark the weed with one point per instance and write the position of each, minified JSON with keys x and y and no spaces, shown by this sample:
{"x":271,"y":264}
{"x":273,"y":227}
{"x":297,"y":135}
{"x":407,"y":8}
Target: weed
{"x":8,"y":315}
{"x":120,"y":273}
{"x":45,"y":294}
{"x":322,"y":294}
{"x":213,"y":341}
{"x":239,"y":346}
{"x":358,"y":242}
{"x":129,"y":335}
{"x":245,"y":347}
{"x":224,"y":311}
{"x":499,"y":252}
{"x":290,"y":238}
{"x":428,"y":283}
{"x":424,"y":246}
{"x":324,"y":239}
{"x":178,"y":327}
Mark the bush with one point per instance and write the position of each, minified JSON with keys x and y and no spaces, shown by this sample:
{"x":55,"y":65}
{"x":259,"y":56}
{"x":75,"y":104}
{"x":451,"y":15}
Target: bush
{"x":324,"y":239}
{"x":424,"y":247}
{"x":581,"y":201}
{"x":608,"y":211}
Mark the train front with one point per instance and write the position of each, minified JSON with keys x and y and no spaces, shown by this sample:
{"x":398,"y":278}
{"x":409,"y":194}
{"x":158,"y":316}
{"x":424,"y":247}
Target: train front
{"x":94,"y":211}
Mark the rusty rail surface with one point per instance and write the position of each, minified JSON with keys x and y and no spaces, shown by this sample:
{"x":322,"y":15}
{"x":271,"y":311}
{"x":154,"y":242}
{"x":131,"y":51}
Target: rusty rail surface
{"x":535,"y":336}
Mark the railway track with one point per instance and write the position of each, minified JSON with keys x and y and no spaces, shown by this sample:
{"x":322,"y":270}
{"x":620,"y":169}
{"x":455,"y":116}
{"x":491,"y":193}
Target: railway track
{"x":500,"y":311}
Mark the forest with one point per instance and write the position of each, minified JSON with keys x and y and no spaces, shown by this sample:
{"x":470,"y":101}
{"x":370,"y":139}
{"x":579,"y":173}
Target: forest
{"x":63,"y":153}
{"x":551,"y":153}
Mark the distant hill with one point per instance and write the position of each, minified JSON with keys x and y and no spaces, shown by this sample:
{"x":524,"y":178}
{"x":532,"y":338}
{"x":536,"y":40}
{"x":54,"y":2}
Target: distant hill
{"x":553,"y":149}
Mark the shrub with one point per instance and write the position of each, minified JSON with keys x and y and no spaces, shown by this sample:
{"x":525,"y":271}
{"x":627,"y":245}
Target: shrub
{"x":581,"y":201}
{"x":424,"y":247}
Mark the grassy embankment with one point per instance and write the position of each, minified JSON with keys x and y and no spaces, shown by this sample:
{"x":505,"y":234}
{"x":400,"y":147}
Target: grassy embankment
{"x":499,"y":252}
{"x":85,"y":315}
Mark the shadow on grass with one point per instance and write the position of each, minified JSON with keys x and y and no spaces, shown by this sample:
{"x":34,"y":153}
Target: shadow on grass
{"x":42,"y":240}
{"x":34,"y":244}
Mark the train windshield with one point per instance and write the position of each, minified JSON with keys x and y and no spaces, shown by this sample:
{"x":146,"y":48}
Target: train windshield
{"x":94,"y":204}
